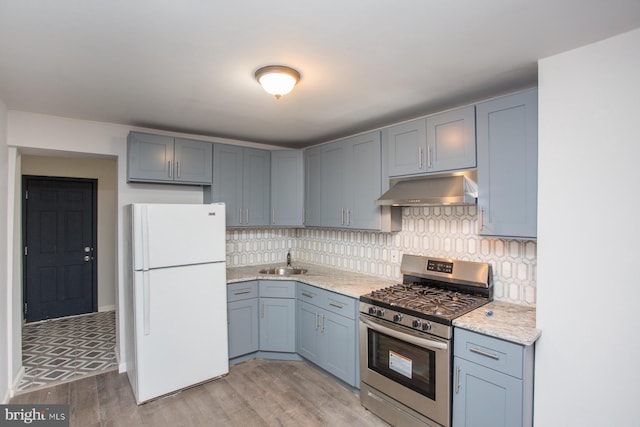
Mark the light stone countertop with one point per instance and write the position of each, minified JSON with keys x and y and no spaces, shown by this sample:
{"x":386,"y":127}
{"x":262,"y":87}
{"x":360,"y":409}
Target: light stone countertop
{"x":510,"y":322}
{"x":339,"y":281}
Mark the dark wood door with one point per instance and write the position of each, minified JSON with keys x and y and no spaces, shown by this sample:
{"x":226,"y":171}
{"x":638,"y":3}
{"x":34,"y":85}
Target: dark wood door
{"x":59,"y":233}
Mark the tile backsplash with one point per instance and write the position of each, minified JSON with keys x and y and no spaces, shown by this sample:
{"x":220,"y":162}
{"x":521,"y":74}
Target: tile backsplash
{"x":446,"y":232}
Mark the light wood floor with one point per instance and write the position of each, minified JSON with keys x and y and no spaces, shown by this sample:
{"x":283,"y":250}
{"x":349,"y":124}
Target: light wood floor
{"x":255,"y":393}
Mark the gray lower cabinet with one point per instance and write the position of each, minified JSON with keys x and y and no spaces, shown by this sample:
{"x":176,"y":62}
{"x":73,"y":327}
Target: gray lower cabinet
{"x":242,"y":318}
{"x":287,"y":188}
{"x":278,"y":316}
{"x":507,"y":133}
{"x":241,"y":179}
{"x":326,"y":331}
{"x":168,"y":160}
{"x":493,"y":382}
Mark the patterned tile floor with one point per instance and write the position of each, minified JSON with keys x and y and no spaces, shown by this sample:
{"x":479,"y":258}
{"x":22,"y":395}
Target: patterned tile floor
{"x":59,"y":350}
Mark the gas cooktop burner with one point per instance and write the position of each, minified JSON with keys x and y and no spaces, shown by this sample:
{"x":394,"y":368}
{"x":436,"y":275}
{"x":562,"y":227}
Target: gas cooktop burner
{"x":418,"y":298}
{"x":433,"y":290}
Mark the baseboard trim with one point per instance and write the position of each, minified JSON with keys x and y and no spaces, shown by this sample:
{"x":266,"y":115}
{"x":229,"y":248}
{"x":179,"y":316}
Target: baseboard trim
{"x":16,"y":383}
{"x":271,"y":355}
{"x":106,"y":308}
{"x":122,"y":366}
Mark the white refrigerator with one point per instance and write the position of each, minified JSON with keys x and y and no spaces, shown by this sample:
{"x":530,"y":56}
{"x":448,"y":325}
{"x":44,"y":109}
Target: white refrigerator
{"x":178,"y":298}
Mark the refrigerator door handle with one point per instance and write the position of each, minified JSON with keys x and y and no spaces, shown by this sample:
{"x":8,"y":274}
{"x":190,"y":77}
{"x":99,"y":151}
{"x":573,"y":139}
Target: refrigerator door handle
{"x":146,"y":309}
{"x":145,"y":238}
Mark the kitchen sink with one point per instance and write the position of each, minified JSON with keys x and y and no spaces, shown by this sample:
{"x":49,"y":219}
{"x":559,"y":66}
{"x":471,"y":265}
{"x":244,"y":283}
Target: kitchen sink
{"x":283,"y":271}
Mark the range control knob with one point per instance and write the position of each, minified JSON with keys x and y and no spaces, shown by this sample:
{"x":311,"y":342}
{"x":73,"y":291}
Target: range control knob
{"x":372,"y":310}
{"x":426,"y":326}
{"x":397,"y":317}
{"x":416,"y":323}
{"x":380,"y":312}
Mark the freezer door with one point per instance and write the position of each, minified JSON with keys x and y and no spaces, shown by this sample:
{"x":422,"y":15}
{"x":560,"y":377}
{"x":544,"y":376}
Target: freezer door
{"x":180,"y":322}
{"x":173,"y":235}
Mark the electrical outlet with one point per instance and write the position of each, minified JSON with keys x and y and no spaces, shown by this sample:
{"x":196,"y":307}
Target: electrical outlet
{"x":394,"y":256}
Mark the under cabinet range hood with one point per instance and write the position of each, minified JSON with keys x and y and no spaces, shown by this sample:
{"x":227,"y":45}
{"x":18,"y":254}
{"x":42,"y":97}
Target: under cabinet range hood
{"x":453,"y":188}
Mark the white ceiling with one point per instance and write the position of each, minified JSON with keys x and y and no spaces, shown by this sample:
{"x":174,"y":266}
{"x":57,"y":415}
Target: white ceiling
{"x":188,"y":65}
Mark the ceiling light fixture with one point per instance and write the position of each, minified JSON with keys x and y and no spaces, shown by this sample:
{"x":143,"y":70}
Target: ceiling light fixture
{"x":277,"y":80}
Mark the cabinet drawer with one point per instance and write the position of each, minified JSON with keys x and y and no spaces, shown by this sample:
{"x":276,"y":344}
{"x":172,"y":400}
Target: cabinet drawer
{"x":241,"y":291}
{"x":340,"y":304}
{"x":277,"y":289}
{"x":310,"y":294}
{"x":494,"y":353}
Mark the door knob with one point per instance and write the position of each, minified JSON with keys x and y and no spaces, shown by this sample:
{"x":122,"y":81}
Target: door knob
{"x":87,"y":249}
{"x":87,"y":258}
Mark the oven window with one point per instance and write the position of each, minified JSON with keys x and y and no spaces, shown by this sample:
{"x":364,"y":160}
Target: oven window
{"x":407,"y":364}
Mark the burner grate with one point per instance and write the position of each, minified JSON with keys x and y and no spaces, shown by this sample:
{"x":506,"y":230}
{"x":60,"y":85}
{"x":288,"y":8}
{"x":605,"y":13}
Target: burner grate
{"x":420,"y":298}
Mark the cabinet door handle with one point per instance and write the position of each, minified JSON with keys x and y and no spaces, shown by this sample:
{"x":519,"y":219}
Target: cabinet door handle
{"x":304,"y":216}
{"x":240,"y":215}
{"x":348,"y":216}
{"x":336,"y":305}
{"x":484,"y":353}
{"x":306,"y":294}
{"x":242,"y":292}
{"x":321,"y":322}
{"x":457,"y":379}
{"x":420,"y":157}
{"x":342,"y":215}
{"x":317,"y":321}
{"x":247,"y":210}
{"x":428,"y":157}
{"x":169,"y":167}
{"x":273,"y":216}
{"x":177,"y":169}
{"x":481,"y":219}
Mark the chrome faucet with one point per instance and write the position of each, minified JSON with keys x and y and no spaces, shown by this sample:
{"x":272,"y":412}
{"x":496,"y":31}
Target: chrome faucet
{"x":289,"y":258}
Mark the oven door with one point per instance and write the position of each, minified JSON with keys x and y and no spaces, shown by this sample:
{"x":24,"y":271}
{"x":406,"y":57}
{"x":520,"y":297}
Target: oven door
{"x":409,"y":366}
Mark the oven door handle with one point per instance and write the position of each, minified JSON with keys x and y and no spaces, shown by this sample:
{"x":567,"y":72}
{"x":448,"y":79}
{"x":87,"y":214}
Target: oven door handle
{"x":420,"y":342}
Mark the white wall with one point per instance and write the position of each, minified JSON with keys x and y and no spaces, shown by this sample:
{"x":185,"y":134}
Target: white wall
{"x":4,"y":247}
{"x":37,"y":134}
{"x":588,"y":234}
{"x":104,"y":170}
{"x":43,"y":135}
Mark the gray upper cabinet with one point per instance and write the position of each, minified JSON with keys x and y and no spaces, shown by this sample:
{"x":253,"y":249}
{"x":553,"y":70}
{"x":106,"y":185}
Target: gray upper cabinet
{"x":441,"y":142}
{"x":312,"y":186}
{"x":241,"y":179}
{"x":165,"y":159}
{"x":287,"y":182}
{"x":333,"y":183}
{"x":256,"y":187}
{"x":348,"y":173}
{"x":451,"y":140}
{"x":364,"y":181}
{"x":507,"y":132}
{"x":406,"y":148}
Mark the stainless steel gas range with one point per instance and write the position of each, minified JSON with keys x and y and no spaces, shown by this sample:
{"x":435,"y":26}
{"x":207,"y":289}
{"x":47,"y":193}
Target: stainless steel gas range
{"x":406,"y":337}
